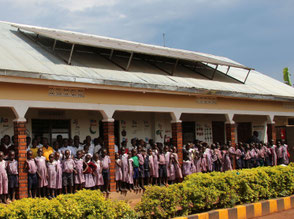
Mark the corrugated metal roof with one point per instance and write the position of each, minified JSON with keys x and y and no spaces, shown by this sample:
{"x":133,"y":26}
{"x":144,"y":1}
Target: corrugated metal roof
{"x":124,"y":45}
{"x":22,"y":57}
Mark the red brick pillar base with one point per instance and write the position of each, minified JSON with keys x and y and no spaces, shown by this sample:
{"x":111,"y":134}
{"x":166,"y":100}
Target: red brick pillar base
{"x":177,"y":139}
{"x":231,"y":136}
{"x":108,"y":134}
{"x":271,"y":133}
{"x":21,"y":146}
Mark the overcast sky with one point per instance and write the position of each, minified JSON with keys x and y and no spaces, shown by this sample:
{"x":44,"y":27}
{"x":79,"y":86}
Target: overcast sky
{"x":256,"y":33}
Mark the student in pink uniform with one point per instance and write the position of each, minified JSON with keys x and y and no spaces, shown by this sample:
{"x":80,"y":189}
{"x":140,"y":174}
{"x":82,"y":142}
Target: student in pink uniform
{"x":105,"y":160}
{"x":131,"y":171}
{"x":68,"y":168}
{"x":178,"y":170}
{"x":162,"y":167}
{"x":151,"y":165}
{"x":118,"y":172}
{"x":58,"y":173}
{"x":98,"y":178}
{"x":31,"y":167}
{"x":156,"y":165}
{"x":52,"y":173}
{"x":125,"y":168}
{"x":89,"y":180}
{"x":3,"y":179}
{"x":167,"y":155}
{"x":274,"y":154}
{"x":12,"y":171}
{"x":186,"y":164}
{"x":42,"y":172}
{"x":172,"y":171}
{"x":80,"y":166}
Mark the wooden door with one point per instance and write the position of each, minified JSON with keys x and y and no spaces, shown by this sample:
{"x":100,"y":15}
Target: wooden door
{"x":244,"y":131}
{"x":188,"y":132}
{"x":218,"y":132}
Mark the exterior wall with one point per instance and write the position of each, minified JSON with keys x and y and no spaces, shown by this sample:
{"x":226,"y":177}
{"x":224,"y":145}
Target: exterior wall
{"x":6,"y":122}
{"x":135,"y":125}
{"x":163,"y":130}
{"x":99,"y":96}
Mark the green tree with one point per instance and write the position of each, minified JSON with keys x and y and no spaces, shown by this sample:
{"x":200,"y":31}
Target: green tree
{"x":287,"y":75}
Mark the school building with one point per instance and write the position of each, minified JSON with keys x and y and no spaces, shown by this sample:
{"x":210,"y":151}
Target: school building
{"x":60,"y":82}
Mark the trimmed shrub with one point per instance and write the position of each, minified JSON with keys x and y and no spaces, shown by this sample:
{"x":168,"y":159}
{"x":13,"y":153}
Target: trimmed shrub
{"x":83,"y":204}
{"x":202,"y":192}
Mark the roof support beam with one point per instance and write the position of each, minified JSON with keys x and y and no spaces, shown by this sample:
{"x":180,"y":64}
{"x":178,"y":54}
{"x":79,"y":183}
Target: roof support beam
{"x":70,"y":55}
{"x":111,"y":54}
{"x":156,"y":66}
{"x":129,"y":62}
{"x":229,"y":67}
{"x":54,"y":45}
{"x":175,"y":67}
{"x":214,"y":72}
{"x":246,"y":76}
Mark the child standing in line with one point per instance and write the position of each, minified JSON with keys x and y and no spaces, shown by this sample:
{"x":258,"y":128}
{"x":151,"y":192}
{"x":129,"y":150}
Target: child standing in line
{"x":156,"y":165}
{"x":135,"y":169}
{"x":58,"y":173}
{"x":68,"y":168}
{"x":146,"y":167}
{"x":151,"y":165}
{"x":81,"y":166}
{"x":178,"y":171}
{"x":130,"y":172}
{"x":31,"y":167}
{"x":105,"y":169}
{"x":125,"y":168}
{"x":118,"y":172}
{"x":42,"y":173}
{"x":3,"y":179}
{"x":186,"y":164}
{"x":141,"y":167}
{"x":12,"y":171}
{"x":98,"y":178}
{"x":162,"y":168}
{"x":89,"y":180}
{"x":52,"y":173}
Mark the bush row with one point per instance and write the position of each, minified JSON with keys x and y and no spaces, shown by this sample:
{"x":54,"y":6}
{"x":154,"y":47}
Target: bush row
{"x":83,"y":204}
{"x":202,"y":192}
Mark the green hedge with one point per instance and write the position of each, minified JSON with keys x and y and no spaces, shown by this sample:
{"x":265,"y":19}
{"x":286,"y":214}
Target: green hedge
{"x":202,"y":192}
{"x":83,"y":204}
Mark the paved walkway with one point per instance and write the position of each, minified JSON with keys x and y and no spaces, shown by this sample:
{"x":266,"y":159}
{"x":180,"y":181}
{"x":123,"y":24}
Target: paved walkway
{"x":281,"y":215}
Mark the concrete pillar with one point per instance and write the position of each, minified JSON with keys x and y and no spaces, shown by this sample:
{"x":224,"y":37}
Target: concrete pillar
{"x":271,"y":133}
{"x":177,"y":139}
{"x":21,"y":146}
{"x":109,"y":142}
{"x":231,"y":137}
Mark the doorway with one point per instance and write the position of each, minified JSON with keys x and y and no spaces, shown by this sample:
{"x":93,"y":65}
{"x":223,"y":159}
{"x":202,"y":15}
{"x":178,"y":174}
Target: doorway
{"x":51,"y":129}
{"x":188,"y":132}
{"x":218,"y":132}
{"x":244,"y":131}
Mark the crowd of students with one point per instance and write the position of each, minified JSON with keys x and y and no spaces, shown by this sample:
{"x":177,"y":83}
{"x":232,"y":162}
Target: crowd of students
{"x":71,"y":165}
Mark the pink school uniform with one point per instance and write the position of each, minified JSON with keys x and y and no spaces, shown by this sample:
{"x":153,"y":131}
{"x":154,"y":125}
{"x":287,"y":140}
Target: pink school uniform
{"x":274,"y":155}
{"x":89,"y":179}
{"x":79,"y":177}
{"x":167,"y":162}
{"x":125,"y":167}
{"x":52,"y":173}
{"x":187,"y":165}
{"x":32,"y":167}
{"x":3,"y":178}
{"x":42,"y":170}
{"x":171,"y":167}
{"x":197,"y":164}
{"x":58,"y":175}
{"x":178,"y":170}
{"x":156,"y":165}
{"x":118,"y":170}
{"x":12,"y":172}
{"x":151,"y":165}
{"x":204,"y":163}
{"x":98,"y":178}
{"x":131,"y":172}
